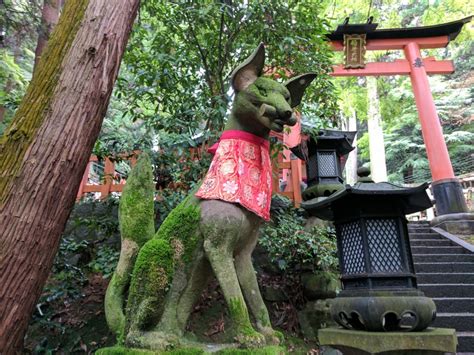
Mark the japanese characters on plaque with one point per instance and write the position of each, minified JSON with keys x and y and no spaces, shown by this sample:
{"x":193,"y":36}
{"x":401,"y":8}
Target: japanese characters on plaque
{"x":354,"y":51}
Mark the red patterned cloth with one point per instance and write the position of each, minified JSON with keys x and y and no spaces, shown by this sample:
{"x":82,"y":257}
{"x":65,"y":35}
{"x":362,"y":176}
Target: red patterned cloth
{"x":240,"y":172}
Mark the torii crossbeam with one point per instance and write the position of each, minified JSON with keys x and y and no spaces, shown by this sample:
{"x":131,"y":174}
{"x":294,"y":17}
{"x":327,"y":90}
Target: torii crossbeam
{"x":447,"y":190}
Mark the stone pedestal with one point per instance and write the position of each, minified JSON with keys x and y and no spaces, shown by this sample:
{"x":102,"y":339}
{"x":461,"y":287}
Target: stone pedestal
{"x":432,"y":341}
{"x":455,"y":223}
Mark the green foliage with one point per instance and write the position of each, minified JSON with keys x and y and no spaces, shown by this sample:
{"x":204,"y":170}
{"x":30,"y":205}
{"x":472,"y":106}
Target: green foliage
{"x":170,"y":198}
{"x":105,"y":261}
{"x":17,"y":44}
{"x":291,"y":246}
{"x":175,"y":75}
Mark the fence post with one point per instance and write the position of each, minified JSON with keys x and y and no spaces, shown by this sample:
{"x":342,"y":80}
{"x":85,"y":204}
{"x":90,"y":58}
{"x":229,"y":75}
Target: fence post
{"x":109,"y":171}
{"x":296,"y":181}
{"x":85,"y":179}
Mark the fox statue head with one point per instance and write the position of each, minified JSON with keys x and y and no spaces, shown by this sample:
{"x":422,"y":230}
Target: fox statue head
{"x":262,"y":104}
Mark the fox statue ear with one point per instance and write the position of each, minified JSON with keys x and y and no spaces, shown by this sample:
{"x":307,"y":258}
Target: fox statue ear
{"x":247,"y":72}
{"x":297,"y":85}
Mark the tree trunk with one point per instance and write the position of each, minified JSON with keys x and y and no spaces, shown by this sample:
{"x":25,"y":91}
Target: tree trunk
{"x":351,"y":164}
{"x":376,"y":142}
{"x":49,"y":19}
{"x":45,"y":150}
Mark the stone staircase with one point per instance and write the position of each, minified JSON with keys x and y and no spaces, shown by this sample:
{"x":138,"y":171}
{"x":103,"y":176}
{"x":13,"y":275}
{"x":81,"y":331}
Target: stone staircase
{"x":445,"y":272}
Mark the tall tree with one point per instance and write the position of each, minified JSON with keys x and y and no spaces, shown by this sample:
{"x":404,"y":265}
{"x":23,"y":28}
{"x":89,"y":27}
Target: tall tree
{"x":376,"y":141}
{"x":351,"y":163}
{"x":44,"y":151}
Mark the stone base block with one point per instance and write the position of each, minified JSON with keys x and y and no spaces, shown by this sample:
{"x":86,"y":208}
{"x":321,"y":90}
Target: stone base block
{"x":314,"y":316}
{"x":355,"y":342}
{"x":455,"y":223}
{"x":217,"y":349}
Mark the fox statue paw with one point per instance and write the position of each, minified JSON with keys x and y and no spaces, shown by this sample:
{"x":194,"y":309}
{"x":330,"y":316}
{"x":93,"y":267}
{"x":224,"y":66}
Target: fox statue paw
{"x":272,"y":336}
{"x":153,"y":340}
{"x":250,"y":338}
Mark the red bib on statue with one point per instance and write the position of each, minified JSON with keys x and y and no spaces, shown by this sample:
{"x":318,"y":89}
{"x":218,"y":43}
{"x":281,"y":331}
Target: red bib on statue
{"x":240,"y":172}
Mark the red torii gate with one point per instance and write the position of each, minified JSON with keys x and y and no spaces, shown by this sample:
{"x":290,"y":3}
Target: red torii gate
{"x":447,"y":189}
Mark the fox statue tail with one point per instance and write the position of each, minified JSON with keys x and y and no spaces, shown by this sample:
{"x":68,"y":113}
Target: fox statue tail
{"x":136,"y":218}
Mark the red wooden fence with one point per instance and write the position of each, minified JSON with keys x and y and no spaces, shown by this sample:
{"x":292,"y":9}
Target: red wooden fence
{"x":110,"y":183}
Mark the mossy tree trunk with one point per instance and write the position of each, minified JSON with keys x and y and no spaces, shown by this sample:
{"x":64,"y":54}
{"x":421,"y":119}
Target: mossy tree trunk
{"x":45,"y":150}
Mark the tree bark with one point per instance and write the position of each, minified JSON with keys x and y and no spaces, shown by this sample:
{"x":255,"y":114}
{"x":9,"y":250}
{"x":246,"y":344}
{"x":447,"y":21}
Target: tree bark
{"x":378,"y":165}
{"x":45,"y":150}
{"x":49,"y":19}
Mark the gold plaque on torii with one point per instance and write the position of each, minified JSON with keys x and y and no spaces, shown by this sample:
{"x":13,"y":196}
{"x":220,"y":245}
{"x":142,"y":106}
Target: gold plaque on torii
{"x":354,"y":51}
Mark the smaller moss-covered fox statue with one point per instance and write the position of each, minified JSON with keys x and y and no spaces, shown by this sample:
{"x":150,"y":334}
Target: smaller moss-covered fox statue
{"x":160,"y":276}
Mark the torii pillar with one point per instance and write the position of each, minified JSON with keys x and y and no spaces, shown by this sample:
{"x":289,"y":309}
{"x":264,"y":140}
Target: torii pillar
{"x":447,"y":189}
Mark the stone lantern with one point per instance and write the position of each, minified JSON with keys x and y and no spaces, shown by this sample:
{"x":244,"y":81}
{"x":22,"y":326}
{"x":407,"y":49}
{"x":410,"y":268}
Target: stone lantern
{"x":379,"y":283}
{"x":325,"y":158}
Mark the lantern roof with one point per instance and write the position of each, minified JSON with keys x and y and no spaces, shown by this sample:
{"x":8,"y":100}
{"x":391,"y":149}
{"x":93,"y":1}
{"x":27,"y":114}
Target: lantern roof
{"x":450,"y":29}
{"x":409,"y":199}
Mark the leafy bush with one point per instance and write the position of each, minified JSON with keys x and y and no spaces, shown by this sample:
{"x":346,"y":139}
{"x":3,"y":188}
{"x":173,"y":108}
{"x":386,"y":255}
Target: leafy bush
{"x":105,"y":261}
{"x":291,"y":246}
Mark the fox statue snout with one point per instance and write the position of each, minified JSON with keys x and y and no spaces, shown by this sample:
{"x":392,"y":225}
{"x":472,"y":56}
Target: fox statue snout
{"x":160,"y":276}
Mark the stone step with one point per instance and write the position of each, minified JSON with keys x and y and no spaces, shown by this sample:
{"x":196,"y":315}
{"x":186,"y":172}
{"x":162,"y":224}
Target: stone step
{"x":443,"y":258}
{"x":465,"y":343}
{"x":452,"y":249}
{"x":419,"y":230}
{"x":446,"y":267}
{"x":443,"y":277}
{"x":425,"y":236}
{"x":447,"y":290}
{"x":419,"y":223}
{"x":430,"y":242}
{"x":459,"y":321}
{"x":453,"y":304}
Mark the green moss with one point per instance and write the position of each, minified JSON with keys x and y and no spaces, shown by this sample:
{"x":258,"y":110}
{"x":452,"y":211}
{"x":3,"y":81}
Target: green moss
{"x":264,"y":319}
{"x":114,"y":299}
{"x":180,"y":229}
{"x":185,"y":351}
{"x":151,"y":278}
{"x":136,"y":210}
{"x":267,"y":350}
{"x":36,"y":104}
{"x":118,"y":350}
{"x":239,"y":314}
{"x":246,"y":335}
{"x":136,"y":217}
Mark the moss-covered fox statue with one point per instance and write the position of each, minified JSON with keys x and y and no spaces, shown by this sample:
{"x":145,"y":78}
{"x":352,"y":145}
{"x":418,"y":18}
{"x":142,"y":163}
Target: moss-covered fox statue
{"x":160,"y":276}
